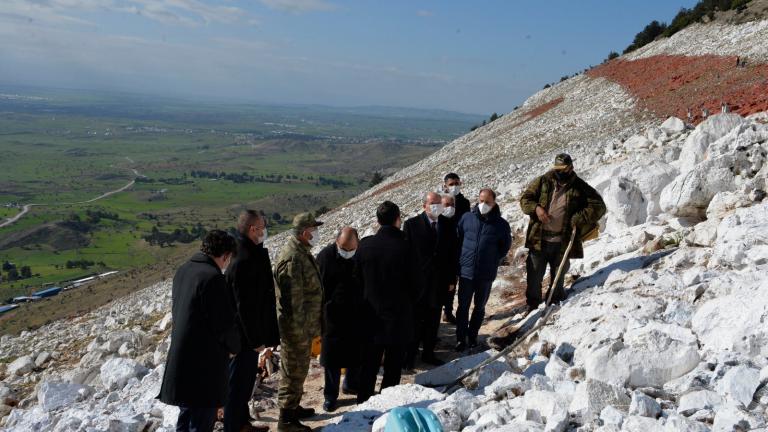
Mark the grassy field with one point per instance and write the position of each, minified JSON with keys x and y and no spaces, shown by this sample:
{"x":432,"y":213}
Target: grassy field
{"x":194,"y":166}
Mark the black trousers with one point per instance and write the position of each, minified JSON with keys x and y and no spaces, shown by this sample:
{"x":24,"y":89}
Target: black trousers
{"x":477,"y":291}
{"x":427,"y":321}
{"x":333,"y":378}
{"x":448,"y":297}
{"x":393,"y":355}
{"x":196,"y":419}
{"x":536,"y":267}
{"x":242,"y":377}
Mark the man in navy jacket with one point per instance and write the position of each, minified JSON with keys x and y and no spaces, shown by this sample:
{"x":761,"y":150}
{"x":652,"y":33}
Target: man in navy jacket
{"x":485,"y":239}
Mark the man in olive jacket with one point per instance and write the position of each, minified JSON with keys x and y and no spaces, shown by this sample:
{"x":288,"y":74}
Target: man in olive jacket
{"x":557,"y":202}
{"x":299,"y":303}
{"x":249,"y":276}
{"x":203,"y":337}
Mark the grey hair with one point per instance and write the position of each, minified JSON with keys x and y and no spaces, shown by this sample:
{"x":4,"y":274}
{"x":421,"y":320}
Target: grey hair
{"x":354,"y":231}
{"x":426,"y":196}
{"x":449,"y":196}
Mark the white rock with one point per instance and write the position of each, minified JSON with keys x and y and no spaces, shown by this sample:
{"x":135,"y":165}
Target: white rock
{"x":455,"y":409}
{"x":698,"y":400}
{"x":676,"y":423}
{"x":592,"y":396}
{"x":690,"y":193}
{"x":21,"y":366}
{"x":640,"y":424}
{"x":637,"y":142}
{"x":552,"y":407}
{"x":556,"y":368}
{"x":673,"y":125}
{"x":649,"y":356}
{"x":450,"y":371}
{"x":53,"y":395}
{"x":116,"y":372}
{"x":507,"y":386}
{"x":612,"y":416}
{"x":644,"y":406}
{"x":165,"y":323}
{"x":724,"y":203}
{"x":42,"y":358}
{"x":626,"y":204}
{"x":739,"y":384}
{"x":729,"y":418}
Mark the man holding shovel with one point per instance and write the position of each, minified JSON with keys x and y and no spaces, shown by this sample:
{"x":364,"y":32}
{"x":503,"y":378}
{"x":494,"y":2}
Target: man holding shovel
{"x":557,"y":202}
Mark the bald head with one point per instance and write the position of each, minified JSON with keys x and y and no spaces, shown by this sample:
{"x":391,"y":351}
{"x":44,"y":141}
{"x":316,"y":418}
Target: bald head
{"x":432,"y":198}
{"x":347,"y":239}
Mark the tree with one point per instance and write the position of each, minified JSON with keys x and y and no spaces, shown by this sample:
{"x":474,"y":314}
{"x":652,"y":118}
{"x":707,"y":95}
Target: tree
{"x":7,"y":266}
{"x":26,"y":272}
{"x":494,"y":117}
{"x":13,"y":275}
{"x":377,"y":178}
{"x":648,"y":35}
{"x":612,"y":55}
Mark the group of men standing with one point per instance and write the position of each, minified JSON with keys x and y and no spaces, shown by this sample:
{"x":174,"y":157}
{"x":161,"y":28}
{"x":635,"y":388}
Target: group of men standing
{"x":375,"y":301}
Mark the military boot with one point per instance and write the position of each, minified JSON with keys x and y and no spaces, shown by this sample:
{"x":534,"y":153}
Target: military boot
{"x":304,"y":413}
{"x":288,"y":422}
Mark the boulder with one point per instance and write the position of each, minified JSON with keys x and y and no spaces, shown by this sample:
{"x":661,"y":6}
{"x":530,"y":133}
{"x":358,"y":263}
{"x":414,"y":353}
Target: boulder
{"x":42,"y":359}
{"x":612,"y":416}
{"x":635,"y":423}
{"x":731,"y":418}
{"x":450,"y":371}
{"x":116,"y":372}
{"x":21,"y":366}
{"x":637,"y":142}
{"x":626,"y":204}
{"x":677,"y":423}
{"x":644,"y":405}
{"x":739,"y":384}
{"x":698,"y":400}
{"x":695,"y":148}
{"x":739,"y":240}
{"x":551,"y":406}
{"x":649,"y":356}
{"x":508,"y":386}
{"x":556,"y":368}
{"x":455,"y":409}
{"x":672,"y":126}
{"x":690,"y":193}
{"x":53,"y":395}
{"x":592,"y":396}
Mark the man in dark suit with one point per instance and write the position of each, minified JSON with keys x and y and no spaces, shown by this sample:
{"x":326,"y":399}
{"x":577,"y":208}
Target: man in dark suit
{"x":342,"y":306}
{"x":452,"y":186}
{"x":203,"y":337}
{"x":249,"y":276}
{"x":391,"y":286}
{"x":433,"y":238}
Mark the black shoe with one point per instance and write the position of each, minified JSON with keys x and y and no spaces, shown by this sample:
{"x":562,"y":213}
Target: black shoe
{"x":431,"y":360}
{"x":449,"y":318}
{"x":329,"y":406}
{"x":288,"y":422}
{"x":472,"y":343}
{"x":303,"y":413}
{"x":461,"y":346}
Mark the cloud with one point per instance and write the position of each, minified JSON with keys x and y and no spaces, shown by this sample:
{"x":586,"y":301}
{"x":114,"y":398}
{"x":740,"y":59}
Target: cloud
{"x":173,"y":12}
{"x":424,"y":13}
{"x":299,"y":6}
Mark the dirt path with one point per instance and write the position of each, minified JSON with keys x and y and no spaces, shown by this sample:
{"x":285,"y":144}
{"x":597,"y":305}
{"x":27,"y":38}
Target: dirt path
{"x":27,"y":207}
{"x":504,"y":303}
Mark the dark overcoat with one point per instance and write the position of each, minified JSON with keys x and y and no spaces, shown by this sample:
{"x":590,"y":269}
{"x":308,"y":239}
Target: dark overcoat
{"x":391,"y":285}
{"x":250,"y":279}
{"x":203,"y":336}
{"x":342,"y":309}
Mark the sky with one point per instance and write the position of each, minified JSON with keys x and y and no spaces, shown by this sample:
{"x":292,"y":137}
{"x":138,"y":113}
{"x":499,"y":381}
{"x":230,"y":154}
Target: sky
{"x":475,"y":56}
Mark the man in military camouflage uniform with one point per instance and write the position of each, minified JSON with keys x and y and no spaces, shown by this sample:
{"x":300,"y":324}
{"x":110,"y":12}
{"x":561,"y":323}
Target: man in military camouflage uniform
{"x":557,"y":202}
{"x":299,"y":302}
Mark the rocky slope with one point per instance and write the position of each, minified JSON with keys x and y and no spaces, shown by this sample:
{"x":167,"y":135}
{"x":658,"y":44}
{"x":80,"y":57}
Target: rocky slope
{"x":665,"y":327}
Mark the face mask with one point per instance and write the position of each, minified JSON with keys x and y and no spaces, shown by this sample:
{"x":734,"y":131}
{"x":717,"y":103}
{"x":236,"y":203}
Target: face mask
{"x":263,"y":237}
{"x":484,"y":208}
{"x":435,"y":209}
{"x":563,"y":176}
{"x":449,"y":212}
{"x":313,"y":240}
{"x":346,"y":254}
{"x":454,"y":190}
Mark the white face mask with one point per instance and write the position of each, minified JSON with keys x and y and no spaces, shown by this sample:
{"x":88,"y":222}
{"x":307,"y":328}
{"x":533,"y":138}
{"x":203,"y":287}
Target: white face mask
{"x":313,"y":240}
{"x":449,"y":212}
{"x":484,"y":208}
{"x":346,"y":254}
{"x":435,"y":210}
{"x":263,"y":237}
{"x":454,"y":190}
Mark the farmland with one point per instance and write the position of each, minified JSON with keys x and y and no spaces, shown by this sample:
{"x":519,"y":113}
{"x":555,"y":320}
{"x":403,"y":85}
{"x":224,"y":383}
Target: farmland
{"x":186,"y":167}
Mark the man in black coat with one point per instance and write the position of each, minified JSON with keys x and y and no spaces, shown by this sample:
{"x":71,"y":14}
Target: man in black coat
{"x":203,"y":337}
{"x":342,"y":305}
{"x":391,"y":286}
{"x":249,"y":277}
{"x":452,"y":186}
{"x":433,"y":238}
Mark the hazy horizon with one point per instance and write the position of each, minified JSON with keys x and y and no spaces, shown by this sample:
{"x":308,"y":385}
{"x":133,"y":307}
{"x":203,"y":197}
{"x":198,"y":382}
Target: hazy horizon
{"x":455,"y":56}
